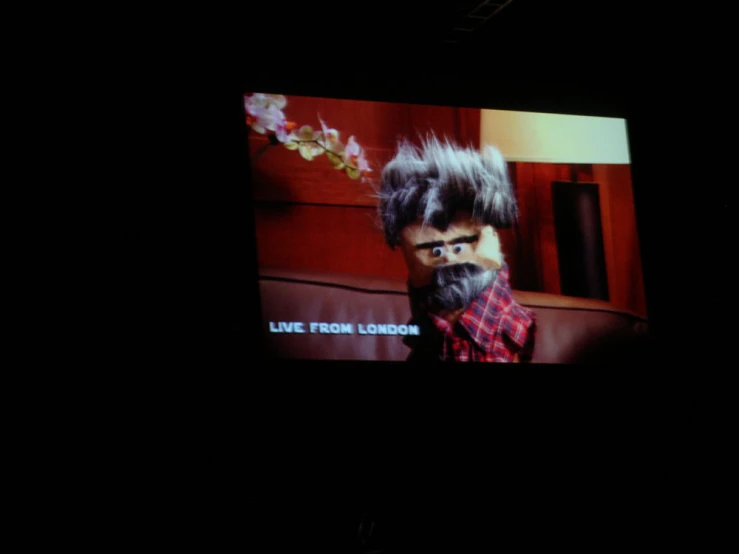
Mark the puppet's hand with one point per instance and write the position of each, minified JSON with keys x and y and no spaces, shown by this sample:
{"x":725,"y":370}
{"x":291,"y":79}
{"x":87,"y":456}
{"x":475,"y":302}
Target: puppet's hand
{"x":488,"y":248}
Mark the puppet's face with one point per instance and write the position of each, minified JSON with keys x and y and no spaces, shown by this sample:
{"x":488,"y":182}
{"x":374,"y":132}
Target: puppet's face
{"x":426,"y":248}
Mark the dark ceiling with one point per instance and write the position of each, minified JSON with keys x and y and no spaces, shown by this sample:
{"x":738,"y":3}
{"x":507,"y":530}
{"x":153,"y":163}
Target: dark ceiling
{"x":571,"y":38}
{"x":565,"y":32}
{"x":517,"y":24}
{"x":443,"y":46}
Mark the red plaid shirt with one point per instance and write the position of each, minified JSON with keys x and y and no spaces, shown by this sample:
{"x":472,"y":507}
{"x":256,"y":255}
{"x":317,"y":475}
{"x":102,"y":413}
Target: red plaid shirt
{"x":493,"y":328}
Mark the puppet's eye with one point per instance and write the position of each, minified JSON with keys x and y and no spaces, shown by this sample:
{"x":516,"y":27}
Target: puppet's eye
{"x":437,"y":251}
{"x":458,"y":248}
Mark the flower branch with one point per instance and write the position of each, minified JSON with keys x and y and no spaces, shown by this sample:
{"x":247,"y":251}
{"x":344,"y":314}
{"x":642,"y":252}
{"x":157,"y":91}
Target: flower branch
{"x":265,"y":116}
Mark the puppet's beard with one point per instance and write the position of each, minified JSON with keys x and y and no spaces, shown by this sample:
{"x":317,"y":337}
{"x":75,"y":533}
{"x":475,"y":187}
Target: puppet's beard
{"x":454,"y":286}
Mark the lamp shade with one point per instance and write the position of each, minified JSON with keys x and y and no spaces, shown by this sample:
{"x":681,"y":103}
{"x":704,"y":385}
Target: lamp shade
{"x":555,"y":138}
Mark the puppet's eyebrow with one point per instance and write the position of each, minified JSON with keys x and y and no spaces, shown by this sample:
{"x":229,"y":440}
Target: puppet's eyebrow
{"x":458,"y":240}
{"x":429,"y":244}
{"x":470,"y":238}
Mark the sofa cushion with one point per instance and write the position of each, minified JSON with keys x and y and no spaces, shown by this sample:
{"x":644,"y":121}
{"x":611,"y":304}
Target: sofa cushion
{"x":568,"y":330}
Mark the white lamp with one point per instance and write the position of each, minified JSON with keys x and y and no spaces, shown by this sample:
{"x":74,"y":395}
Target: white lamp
{"x":555,"y":138}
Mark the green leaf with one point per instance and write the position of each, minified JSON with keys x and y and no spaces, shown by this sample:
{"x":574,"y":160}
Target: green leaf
{"x":353,"y":172}
{"x":292,"y":145}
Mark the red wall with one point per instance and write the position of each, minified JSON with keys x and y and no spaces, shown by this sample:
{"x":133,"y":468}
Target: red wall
{"x":531,"y":247}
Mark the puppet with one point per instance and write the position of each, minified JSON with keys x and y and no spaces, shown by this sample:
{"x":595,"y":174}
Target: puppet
{"x":442,"y":206}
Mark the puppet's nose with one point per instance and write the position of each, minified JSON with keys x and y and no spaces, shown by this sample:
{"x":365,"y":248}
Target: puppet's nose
{"x":450,"y":257}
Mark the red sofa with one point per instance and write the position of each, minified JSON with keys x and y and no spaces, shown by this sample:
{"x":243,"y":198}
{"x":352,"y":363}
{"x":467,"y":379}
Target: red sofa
{"x":569,"y":330}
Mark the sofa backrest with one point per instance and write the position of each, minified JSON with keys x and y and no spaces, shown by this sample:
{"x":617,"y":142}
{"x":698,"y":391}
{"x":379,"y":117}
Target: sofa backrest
{"x":569,"y":330}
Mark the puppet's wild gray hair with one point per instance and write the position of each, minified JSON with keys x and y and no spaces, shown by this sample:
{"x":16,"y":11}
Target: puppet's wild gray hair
{"x":436,"y":180}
